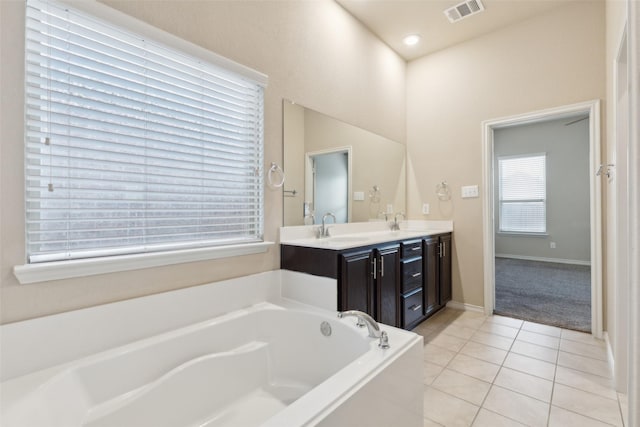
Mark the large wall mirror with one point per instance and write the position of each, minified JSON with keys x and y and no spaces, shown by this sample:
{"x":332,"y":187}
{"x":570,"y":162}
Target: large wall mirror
{"x":335,"y":167}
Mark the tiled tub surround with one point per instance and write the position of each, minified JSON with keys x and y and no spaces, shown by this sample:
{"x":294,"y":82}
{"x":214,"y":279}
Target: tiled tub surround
{"x":497,"y":371}
{"x":355,"y":234}
{"x":238,"y":352}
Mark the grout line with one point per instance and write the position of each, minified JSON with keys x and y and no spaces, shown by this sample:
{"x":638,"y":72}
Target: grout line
{"x":620,"y":408}
{"x":553,"y":385}
{"x":435,"y":422}
{"x":584,"y":355}
{"x":586,"y":391}
{"x":587,"y":372}
{"x":501,"y":415}
{"x":583,"y":415}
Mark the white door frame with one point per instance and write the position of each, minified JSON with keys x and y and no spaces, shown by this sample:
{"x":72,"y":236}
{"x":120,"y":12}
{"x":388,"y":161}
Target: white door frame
{"x":592,"y":108}
{"x":633,"y":34}
{"x":618,"y":208}
{"x":309,"y":186}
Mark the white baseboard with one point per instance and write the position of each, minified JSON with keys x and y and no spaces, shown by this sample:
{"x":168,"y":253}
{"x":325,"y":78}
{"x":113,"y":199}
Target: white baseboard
{"x":466,"y":307}
{"x":541,"y":259}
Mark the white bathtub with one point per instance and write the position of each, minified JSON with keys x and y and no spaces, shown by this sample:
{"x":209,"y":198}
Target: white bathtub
{"x":264,"y":365}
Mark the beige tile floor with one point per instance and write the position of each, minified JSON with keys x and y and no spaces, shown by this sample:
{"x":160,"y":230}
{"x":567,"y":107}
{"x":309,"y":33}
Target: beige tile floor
{"x":497,"y":371}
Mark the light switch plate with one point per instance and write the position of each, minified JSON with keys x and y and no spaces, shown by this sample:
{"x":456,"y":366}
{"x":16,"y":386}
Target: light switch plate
{"x":358,"y":196}
{"x":469,"y":191}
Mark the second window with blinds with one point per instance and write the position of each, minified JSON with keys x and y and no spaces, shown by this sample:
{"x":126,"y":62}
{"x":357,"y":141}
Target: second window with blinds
{"x":522,"y":194}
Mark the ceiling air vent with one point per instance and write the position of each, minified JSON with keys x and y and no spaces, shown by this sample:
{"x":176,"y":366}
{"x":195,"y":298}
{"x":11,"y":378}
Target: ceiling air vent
{"x":463,"y":10}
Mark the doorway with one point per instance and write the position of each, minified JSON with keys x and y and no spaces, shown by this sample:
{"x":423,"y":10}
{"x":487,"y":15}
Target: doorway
{"x":328,"y":183}
{"x":542,"y":233}
{"x":590,"y":111}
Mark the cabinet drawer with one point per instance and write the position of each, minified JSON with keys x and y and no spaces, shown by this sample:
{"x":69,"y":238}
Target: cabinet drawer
{"x":411,"y":274}
{"x":411,"y":248}
{"x":411,"y":307}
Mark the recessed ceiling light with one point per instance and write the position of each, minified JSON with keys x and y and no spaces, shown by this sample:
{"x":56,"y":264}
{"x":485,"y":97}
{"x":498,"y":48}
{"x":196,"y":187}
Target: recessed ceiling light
{"x":411,"y":39}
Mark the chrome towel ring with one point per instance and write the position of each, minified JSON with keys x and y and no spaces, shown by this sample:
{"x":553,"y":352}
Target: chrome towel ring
{"x":443,"y":191}
{"x":276,"y":181}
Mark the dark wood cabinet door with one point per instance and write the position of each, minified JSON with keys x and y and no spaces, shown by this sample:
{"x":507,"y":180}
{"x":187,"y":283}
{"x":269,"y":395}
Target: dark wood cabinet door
{"x":431,"y":261}
{"x":445,"y":269}
{"x":356,"y":282}
{"x":388,"y":283}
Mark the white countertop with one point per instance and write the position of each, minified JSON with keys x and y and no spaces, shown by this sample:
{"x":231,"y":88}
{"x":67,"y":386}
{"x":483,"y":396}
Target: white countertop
{"x":353,"y":235}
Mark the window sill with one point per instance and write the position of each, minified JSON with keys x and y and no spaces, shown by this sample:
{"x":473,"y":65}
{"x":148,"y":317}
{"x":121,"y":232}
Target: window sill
{"x":35,"y":273}
{"x":521,"y":234}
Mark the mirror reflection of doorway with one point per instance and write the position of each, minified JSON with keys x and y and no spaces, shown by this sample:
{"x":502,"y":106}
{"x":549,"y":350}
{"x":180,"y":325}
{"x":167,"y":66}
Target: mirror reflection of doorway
{"x":328,"y":183}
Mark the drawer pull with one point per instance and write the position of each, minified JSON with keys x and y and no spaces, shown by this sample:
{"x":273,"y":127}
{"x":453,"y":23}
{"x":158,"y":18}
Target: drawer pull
{"x":415,"y":307}
{"x":416,"y":275}
{"x":417,"y":248}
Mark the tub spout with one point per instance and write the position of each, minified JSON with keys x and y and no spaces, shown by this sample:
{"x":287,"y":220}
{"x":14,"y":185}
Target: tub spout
{"x":362,"y":317}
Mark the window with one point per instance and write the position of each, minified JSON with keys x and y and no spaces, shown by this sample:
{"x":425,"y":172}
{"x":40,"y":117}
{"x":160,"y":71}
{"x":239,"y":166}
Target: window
{"x":133,"y":146}
{"x":522,"y":192}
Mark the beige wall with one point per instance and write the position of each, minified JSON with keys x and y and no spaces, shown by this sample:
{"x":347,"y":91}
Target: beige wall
{"x":293,"y":137}
{"x":339,"y":69}
{"x":550,"y":60}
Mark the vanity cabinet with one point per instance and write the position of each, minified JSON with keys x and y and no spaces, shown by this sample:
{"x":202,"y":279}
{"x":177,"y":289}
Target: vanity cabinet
{"x":356,"y":270}
{"x":444,"y":268}
{"x":368,"y":281}
{"x":412,"y":283}
{"x":430,"y":264}
{"x":386,"y":275}
{"x":437,"y":272}
{"x":398,"y":283}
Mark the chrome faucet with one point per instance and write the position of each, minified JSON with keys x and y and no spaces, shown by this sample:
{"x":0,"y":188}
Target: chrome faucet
{"x":383,"y":215}
{"x":324,"y":231}
{"x":395,"y":225}
{"x":363,"y":320}
{"x":372,"y":326}
{"x":311,"y":216}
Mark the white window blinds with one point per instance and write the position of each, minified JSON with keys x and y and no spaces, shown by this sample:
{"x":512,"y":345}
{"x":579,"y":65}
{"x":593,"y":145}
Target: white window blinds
{"x":522,"y":191}
{"x":132,"y":146}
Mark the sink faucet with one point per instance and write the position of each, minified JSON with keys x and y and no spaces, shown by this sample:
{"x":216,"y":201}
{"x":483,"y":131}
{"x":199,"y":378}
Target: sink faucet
{"x":310,"y":216}
{"x":395,"y":225}
{"x":365,"y":320}
{"x":324,"y":231}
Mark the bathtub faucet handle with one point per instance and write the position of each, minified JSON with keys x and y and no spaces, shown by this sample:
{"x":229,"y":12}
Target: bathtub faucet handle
{"x":384,"y":341}
{"x":363,"y":318}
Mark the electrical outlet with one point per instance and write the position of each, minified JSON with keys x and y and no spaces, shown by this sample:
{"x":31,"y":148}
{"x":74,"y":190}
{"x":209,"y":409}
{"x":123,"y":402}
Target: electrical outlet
{"x":552,"y":245}
{"x":389,"y":208}
{"x":425,"y":208}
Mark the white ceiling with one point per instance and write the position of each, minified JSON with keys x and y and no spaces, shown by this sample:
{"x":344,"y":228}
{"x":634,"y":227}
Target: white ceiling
{"x":391,"y":20}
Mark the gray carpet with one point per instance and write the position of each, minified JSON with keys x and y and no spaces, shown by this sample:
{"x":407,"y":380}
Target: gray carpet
{"x":544,"y":292}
